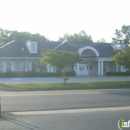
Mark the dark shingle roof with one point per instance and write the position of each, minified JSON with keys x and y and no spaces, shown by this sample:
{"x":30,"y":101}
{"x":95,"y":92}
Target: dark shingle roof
{"x":14,"y":49}
{"x":104,"y":49}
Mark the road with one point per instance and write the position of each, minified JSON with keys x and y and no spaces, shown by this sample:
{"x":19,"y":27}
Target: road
{"x":65,"y":110}
{"x":78,"y":121}
{"x":57,"y":100}
{"x":60,"y":80}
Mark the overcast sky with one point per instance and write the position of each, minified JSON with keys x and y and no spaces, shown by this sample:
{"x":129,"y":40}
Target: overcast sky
{"x":54,"y":18}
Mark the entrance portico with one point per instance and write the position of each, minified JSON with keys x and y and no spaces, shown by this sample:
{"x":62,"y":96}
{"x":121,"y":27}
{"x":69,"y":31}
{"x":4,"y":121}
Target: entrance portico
{"x":92,"y":63}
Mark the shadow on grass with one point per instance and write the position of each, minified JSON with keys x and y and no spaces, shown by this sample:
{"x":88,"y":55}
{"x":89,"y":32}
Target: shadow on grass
{"x":5,"y":86}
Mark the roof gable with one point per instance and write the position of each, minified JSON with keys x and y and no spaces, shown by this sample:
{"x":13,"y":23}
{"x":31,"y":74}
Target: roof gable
{"x":14,"y":49}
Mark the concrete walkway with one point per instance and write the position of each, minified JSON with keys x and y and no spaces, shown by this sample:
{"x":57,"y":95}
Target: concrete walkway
{"x":60,"y":80}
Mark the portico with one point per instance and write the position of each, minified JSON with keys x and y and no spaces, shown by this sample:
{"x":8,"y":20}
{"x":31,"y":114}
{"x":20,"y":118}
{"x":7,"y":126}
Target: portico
{"x":92,"y":63}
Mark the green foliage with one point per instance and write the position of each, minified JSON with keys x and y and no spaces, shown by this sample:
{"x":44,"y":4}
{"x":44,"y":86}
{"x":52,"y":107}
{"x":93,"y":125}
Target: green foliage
{"x":8,"y":36}
{"x":118,"y":74}
{"x":102,"y":40}
{"x":81,"y":36}
{"x":123,"y":58}
{"x":122,"y":35}
{"x":60,"y":60}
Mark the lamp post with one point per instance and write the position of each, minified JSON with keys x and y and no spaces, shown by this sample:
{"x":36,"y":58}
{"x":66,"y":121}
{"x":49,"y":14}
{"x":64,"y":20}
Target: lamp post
{"x":24,"y":63}
{"x":23,"y":59}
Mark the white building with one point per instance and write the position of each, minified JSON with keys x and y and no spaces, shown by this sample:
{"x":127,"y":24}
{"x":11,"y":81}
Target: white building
{"x":21,"y":56}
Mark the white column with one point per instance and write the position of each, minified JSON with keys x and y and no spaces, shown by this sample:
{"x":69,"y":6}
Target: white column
{"x":122,"y":69}
{"x":116,"y":68}
{"x":12,"y":66}
{"x":4,"y":67}
{"x":99,"y":70}
{"x":102,"y":68}
{"x":51,"y":69}
{"x":77,"y":70}
{"x":48,"y":68}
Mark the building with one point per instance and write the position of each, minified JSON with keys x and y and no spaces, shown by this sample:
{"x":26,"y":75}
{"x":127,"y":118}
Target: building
{"x":21,"y":56}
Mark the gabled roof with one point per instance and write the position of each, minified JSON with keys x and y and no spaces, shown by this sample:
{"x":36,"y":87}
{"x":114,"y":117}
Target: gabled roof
{"x":104,"y":49}
{"x":14,"y":49}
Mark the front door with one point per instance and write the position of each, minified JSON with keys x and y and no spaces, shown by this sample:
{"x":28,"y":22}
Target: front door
{"x":83,"y":69}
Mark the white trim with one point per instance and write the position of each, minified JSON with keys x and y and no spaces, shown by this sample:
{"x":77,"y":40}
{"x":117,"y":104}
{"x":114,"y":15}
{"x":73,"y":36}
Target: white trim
{"x":84,"y":69}
{"x":77,"y":69}
{"x":29,"y":46}
{"x":102,"y":68}
{"x":7,"y":44}
{"x":88,"y":47}
{"x":98,"y":58}
{"x":118,"y":46}
{"x":52,"y":69}
{"x":122,"y":68}
{"x":105,"y":58}
{"x":59,"y":45}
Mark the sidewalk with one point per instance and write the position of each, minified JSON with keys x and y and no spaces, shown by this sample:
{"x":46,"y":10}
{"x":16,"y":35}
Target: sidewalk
{"x":32,"y":80}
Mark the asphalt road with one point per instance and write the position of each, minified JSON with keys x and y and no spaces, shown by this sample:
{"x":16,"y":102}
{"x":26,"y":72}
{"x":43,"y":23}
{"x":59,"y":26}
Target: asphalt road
{"x":71,"y":103}
{"x":60,"y":80}
{"x":73,"y":121}
{"x":57,"y":100}
{"x":80,"y":121}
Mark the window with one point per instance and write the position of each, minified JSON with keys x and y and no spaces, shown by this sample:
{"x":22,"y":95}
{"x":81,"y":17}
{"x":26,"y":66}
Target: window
{"x":87,"y":67}
{"x":90,"y":67}
{"x":33,"y":47}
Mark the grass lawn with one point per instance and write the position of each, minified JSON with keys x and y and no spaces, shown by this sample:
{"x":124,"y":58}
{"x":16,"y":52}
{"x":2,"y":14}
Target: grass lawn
{"x":68,"y":86}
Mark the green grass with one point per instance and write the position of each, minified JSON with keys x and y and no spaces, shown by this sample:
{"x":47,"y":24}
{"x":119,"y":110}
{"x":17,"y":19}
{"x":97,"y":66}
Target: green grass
{"x":68,"y":86}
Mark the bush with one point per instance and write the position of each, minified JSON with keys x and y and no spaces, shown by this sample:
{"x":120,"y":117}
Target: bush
{"x":33,"y":74}
{"x":118,"y":74}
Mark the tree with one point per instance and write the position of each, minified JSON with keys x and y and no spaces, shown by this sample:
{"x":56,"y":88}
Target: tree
{"x":81,"y":36}
{"x":8,"y":36}
{"x":122,"y":35}
{"x":102,"y":40}
{"x":123,"y":58}
{"x":60,"y":60}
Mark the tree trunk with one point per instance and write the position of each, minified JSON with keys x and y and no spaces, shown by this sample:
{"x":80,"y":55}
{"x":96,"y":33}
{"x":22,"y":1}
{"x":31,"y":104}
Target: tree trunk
{"x":63,"y":75}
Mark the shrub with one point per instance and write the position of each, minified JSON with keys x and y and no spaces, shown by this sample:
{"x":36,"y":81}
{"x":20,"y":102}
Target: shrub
{"x":33,"y":74}
{"x":118,"y":74}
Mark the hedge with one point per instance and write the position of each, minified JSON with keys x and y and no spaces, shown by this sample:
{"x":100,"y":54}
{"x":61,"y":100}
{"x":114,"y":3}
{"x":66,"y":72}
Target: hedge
{"x":118,"y":74}
{"x":33,"y":74}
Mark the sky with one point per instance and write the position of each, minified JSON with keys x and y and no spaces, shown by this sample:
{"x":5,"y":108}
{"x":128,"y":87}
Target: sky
{"x":54,"y":18}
